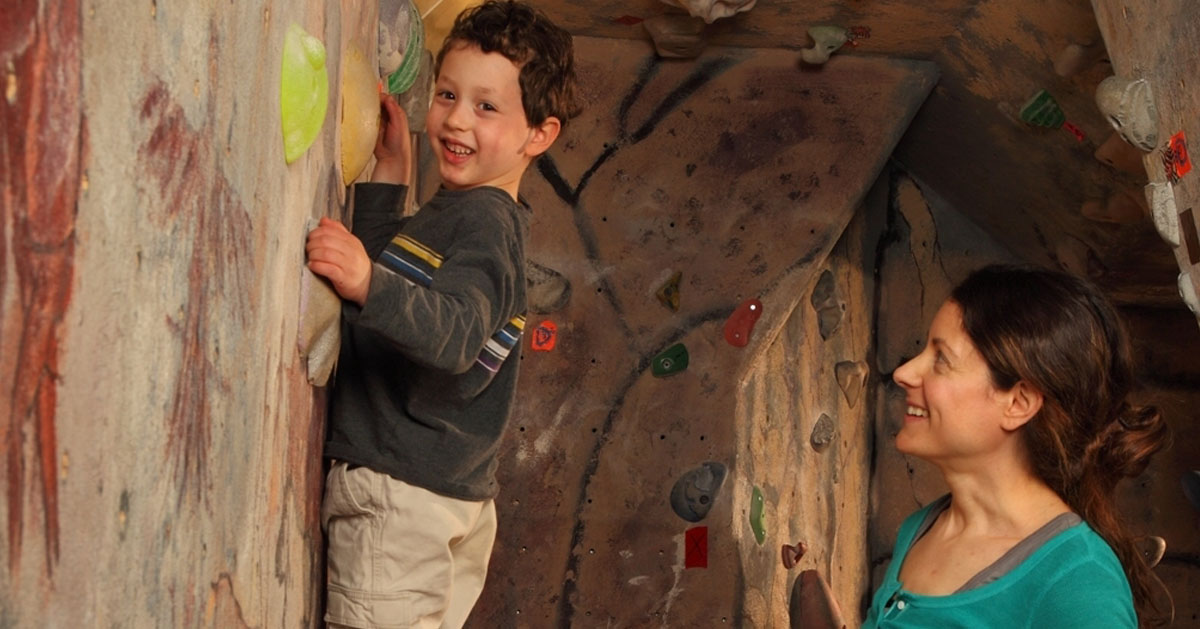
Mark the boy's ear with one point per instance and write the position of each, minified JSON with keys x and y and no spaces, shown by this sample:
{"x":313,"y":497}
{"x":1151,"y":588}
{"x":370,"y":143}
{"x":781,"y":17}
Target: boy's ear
{"x":542,"y":136}
{"x":1022,"y":403}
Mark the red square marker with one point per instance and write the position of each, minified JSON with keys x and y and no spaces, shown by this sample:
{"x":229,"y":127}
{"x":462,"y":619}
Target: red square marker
{"x":544,"y":336}
{"x":695,"y":546}
{"x":1175,"y":158}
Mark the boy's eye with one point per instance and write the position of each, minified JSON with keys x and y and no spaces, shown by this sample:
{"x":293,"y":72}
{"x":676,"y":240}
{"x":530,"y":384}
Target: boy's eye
{"x":446,"y":95}
{"x":487,"y":107}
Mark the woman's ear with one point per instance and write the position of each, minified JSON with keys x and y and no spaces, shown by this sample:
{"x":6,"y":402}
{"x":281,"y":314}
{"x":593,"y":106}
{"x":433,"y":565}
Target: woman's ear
{"x":1022,"y":404}
{"x":542,"y":136}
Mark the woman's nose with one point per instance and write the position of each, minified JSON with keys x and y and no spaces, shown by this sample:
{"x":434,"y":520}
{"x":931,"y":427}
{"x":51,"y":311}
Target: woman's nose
{"x":907,"y":375}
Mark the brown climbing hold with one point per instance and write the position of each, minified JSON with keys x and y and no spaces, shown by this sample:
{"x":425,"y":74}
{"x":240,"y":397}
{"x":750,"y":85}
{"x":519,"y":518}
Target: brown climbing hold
{"x":792,"y":554}
{"x":1153,"y":548}
{"x":812,"y":605}
{"x":851,"y":376}
{"x":824,"y":301}
{"x":668,"y":293}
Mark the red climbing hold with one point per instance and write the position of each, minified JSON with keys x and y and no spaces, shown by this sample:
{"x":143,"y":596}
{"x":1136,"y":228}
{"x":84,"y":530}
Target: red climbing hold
{"x":741,"y":323}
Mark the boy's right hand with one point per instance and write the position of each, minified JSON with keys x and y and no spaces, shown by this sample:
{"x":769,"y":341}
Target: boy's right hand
{"x":393,"y":148}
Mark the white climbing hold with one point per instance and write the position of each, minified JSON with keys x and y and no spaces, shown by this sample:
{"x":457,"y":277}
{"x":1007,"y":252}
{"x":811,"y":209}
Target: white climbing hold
{"x":1161,"y":196}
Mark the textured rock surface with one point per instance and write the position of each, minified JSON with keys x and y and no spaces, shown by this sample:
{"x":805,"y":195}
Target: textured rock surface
{"x":162,"y":444}
{"x":741,"y":171}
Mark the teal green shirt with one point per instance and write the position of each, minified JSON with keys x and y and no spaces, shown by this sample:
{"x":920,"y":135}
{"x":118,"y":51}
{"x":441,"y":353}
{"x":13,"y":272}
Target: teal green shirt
{"x":1073,"y":580}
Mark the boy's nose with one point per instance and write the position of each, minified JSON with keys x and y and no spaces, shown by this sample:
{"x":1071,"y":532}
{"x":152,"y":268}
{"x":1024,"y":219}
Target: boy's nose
{"x":458,"y":116}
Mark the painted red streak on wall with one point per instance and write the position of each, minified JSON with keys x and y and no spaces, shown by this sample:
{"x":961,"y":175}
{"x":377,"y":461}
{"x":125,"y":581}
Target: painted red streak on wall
{"x":696,"y":547}
{"x":180,"y":164}
{"x":41,"y":135}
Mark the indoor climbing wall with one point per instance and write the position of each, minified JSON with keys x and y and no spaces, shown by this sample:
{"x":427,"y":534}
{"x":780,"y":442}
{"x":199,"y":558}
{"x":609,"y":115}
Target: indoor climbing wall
{"x":680,"y":416}
{"x":926,"y":247}
{"x":161,"y":438}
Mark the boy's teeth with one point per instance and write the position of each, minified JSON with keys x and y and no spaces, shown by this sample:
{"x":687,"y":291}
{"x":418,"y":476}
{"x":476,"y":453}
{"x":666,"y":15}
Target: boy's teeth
{"x":917,"y":412}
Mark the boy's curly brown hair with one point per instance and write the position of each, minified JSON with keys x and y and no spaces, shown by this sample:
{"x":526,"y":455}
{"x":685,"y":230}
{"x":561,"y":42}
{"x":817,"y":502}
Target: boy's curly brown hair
{"x":541,"y":49}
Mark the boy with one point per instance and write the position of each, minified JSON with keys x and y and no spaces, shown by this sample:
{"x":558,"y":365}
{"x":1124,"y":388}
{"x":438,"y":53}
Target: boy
{"x":434,"y":305}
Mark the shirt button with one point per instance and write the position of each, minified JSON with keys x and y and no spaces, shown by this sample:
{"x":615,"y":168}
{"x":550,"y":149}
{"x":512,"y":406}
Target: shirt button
{"x":900,"y":604}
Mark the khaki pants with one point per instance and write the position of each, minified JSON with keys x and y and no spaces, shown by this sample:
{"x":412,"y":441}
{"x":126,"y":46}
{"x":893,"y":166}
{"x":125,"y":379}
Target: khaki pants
{"x":401,"y":556}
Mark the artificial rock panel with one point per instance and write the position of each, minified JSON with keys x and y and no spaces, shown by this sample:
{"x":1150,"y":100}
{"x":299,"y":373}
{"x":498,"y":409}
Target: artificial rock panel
{"x":1158,"y":44}
{"x":740,"y":171}
{"x":162,"y":444}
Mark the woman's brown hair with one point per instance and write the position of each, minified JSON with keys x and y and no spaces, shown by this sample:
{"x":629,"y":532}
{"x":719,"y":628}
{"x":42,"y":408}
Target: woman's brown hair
{"x":1059,"y":334}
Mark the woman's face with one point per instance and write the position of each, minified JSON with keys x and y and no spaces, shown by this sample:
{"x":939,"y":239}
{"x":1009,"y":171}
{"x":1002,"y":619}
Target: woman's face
{"x":953,"y":411}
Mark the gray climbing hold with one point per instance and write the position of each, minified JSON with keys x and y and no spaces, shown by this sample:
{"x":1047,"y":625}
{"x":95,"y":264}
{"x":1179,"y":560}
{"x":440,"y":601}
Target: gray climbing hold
{"x":696,"y":491}
{"x":547,"y":290}
{"x":1129,"y":106}
{"x":851,"y":376}
{"x":822,"y":433}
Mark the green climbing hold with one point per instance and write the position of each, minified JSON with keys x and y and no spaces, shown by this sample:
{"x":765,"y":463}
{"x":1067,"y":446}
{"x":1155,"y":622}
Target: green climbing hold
{"x":757,"y":516}
{"x":672,"y":360}
{"x":1043,"y":111}
{"x":303,"y":92}
{"x":411,"y":43}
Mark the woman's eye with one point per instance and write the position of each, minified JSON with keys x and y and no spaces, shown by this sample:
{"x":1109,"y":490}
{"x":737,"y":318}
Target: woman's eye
{"x":446,"y":95}
{"x":940,"y":358}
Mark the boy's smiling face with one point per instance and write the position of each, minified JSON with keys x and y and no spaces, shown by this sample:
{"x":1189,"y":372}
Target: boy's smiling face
{"x":476,"y":123}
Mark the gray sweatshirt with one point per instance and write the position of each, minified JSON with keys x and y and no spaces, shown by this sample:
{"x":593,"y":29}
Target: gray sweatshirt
{"x":428,"y":366}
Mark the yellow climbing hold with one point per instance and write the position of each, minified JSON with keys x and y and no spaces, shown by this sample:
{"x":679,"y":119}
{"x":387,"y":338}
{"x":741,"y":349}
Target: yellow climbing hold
{"x":303,"y":91}
{"x":360,"y":113}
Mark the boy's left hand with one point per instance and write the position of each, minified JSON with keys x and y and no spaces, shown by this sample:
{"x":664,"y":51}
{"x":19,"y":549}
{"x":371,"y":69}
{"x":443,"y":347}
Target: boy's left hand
{"x":336,"y":254}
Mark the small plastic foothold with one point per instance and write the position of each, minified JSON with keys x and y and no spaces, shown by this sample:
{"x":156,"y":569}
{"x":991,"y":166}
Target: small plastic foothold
{"x":824,"y":301}
{"x":758,"y":516}
{"x":851,"y":376}
{"x":668,"y":293}
{"x":822,"y":433}
{"x":826,"y":40}
{"x":303,"y":91}
{"x":695,"y":553}
{"x":1153,"y":548}
{"x":1161,"y":196}
{"x":545,"y":335}
{"x":1043,"y":111}
{"x":546,"y":290}
{"x":1191,"y":487}
{"x":740,"y":324}
{"x":1187,"y":292}
{"x":695,"y":492}
{"x":670,"y":361}
{"x":792,"y":554}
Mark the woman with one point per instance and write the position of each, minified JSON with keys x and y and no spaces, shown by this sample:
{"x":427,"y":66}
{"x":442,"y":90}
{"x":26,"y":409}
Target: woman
{"x":1019,"y":398}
